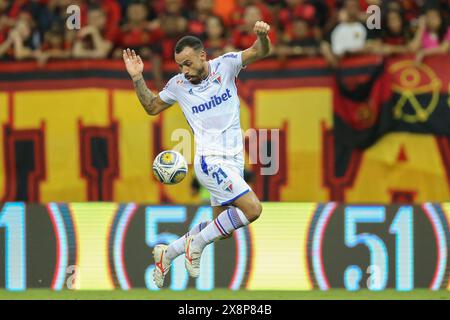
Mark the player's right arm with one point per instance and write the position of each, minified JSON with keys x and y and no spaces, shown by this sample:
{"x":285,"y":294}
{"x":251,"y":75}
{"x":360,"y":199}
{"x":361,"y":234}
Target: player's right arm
{"x":151,"y":103}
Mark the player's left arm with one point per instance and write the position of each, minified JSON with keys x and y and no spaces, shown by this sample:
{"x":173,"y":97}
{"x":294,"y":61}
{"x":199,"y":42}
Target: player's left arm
{"x":262,"y":46}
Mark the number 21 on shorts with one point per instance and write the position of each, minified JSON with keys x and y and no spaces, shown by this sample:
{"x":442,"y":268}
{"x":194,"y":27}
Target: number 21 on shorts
{"x":219,"y":175}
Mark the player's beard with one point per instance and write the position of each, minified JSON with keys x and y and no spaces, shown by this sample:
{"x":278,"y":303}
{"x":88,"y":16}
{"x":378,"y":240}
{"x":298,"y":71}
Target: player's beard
{"x":196,"y":79}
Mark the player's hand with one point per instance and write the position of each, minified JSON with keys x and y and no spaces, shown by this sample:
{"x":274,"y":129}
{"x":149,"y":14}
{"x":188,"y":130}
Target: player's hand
{"x":133,"y":63}
{"x":261,"y":29}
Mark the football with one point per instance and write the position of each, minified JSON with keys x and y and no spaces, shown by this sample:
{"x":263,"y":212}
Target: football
{"x":170,"y":167}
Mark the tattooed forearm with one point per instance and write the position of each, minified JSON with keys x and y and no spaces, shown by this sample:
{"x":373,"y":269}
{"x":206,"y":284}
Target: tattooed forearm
{"x":144,"y":94}
{"x":263,"y":46}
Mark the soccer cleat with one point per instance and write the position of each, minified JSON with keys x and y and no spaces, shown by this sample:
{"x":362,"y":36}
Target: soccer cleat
{"x":192,"y":258}
{"x":162,"y":264}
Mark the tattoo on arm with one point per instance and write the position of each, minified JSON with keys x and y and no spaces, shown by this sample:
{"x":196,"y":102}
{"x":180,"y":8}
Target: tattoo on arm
{"x":263,"y":46}
{"x":144,"y":94}
{"x":260,"y":49}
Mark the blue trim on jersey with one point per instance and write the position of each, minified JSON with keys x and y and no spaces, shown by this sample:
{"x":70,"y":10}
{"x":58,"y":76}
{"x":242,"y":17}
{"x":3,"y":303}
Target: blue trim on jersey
{"x":204,"y":165}
{"x":235,"y":198}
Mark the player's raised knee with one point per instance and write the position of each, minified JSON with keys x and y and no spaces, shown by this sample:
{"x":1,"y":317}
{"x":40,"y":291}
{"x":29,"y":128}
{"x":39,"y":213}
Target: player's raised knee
{"x":254,"y":211}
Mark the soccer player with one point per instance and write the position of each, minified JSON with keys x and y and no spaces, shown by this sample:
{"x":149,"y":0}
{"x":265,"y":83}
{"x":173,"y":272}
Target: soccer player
{"x":207,"y":94}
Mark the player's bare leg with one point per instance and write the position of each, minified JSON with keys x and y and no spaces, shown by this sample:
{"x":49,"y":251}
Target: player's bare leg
{"x":242,"y":212}
{"x":164,"y":255}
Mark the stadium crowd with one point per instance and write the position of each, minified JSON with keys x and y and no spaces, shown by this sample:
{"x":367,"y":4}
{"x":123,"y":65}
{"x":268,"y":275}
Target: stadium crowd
{"x":36,"y":29}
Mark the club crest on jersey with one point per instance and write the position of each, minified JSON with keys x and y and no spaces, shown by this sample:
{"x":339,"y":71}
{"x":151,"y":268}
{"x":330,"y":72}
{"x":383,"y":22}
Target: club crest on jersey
{"x":213,"y":102}
{"x":228,"y":187}
{"x":217,"y":79}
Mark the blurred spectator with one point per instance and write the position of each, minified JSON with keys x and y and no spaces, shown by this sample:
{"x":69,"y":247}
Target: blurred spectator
{"x":236,"y":18}
{"x":6,"y":22}
{"x":113,"y":15}
{"x":17,"y":7}
{"x":432,"y":36}
{"x":321,"y":17}
{"x":54,"y":45}
{"x":238,"y":15}
{"x":172,"y":28}
{"x":264,"y":8}
{"x":52,"y":14}
{"x":25,"y":38}
{"x":173,"y":24}
{"x":244,"y":37}
{"x":296,"y":9}
{"x":306,"y":10}
{"x":298,"y":40}
{"x":197,"y":22}
{"x":91,"y":41}
{"x":350,"y":36}
{"x":136,"y":32}
{"x":216,"y":44}
{"x":396,"y":35}
{"x":6,"y":43}
{"x":174,"y":8}
{"x":36,"y":29}
{"x":411,"y":9}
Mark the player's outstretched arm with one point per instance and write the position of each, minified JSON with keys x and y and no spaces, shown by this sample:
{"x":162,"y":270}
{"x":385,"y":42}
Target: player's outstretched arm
{"x":261,"y":48}
{"x":151,"y":103}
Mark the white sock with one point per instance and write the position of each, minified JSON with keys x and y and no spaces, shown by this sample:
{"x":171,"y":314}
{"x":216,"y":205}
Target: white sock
{"x":227,"y":222}
{"x":176,"y":248}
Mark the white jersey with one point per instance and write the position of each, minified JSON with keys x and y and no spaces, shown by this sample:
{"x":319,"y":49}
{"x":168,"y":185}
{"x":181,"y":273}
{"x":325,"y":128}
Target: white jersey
{"x":212,"y":107}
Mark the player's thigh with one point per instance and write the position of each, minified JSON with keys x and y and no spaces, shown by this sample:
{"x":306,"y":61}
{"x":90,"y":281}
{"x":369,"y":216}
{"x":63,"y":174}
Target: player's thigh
{"x":250,"y":205}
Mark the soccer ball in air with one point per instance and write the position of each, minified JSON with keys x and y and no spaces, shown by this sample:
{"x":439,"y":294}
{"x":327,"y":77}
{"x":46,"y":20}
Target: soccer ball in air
{"x":170,"y":167}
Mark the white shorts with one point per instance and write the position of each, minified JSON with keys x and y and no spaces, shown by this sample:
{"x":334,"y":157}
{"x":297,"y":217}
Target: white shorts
{"x":223,"y":176}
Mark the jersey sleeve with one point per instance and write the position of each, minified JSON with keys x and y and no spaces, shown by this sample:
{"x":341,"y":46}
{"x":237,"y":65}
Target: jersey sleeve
{"x":233,"y":61}
{"x":168,"y":94}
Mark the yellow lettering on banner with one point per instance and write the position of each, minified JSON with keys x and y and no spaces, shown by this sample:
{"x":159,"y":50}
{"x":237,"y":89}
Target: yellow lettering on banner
{"x":3,"y":120}
{"x":279,"y":242}
{"x":303,"y":110}
{"x":421,"y":171}
{"x":92,"y":223}
{"x":135,"y":182}
{"x":60,"y":112}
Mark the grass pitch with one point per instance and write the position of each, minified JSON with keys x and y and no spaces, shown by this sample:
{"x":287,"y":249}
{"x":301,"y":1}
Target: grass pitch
{"x":223,"y":294}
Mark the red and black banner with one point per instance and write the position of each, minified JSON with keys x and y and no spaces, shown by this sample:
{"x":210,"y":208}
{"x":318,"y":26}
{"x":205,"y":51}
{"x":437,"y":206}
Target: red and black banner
{"x":396,"y":95}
